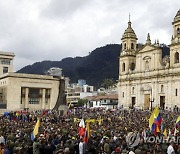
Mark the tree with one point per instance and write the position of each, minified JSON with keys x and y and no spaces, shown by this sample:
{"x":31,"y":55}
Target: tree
{"x":81,"y":102}
{"x":107,"y":83}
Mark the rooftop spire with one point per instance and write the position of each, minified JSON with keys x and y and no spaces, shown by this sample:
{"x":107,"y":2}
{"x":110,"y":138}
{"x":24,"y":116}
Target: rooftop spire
{"x":129,"y":32}
{"x":177,"y":17}
{"x":148,"y":41}
{"x":129,"y":22}
{"x":157,"y":41}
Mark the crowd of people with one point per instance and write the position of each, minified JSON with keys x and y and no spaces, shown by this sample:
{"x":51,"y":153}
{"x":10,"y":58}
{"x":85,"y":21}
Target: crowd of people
{"x":59,"y":134}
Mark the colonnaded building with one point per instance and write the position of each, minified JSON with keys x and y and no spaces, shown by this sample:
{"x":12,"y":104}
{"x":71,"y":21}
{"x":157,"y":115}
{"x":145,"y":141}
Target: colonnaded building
{"x":27,"y":91}
{"x":146,"y":79}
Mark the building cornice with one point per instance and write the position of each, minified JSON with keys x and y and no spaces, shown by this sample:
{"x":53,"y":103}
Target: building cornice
{"x":29,"y":76}
{"x":153,"y":74}
{"x":7,"y":53}
{"x":174,"y":44}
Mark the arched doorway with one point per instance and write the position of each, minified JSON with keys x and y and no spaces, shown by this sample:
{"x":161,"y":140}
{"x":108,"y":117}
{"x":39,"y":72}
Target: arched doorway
{"x":146,"y":101}
{"x":133,"y":102}
{"x":162,"y":102}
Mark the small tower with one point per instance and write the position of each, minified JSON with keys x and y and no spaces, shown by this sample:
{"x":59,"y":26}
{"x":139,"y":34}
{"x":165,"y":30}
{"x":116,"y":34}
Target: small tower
{"x":129,"y":39}
{"x":148,"y":41}
{"x":176,"y":28}
{"x":128,"y":52}
{"x":175,"y":42}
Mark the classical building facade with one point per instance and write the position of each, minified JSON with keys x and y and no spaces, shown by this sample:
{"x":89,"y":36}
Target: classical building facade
{"x":146,"y":79}
{"x":28,"y":91}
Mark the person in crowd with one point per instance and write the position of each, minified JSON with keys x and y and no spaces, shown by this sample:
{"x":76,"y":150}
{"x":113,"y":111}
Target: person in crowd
{"x":59,"y":134}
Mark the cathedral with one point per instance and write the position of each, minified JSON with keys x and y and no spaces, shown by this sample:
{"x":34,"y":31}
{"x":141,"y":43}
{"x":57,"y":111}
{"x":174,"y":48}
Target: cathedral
{"x":146,"y":78}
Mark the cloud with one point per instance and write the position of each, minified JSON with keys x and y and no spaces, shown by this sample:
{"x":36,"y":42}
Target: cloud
{"x":39,"y":30}
{"x":63,"y":8}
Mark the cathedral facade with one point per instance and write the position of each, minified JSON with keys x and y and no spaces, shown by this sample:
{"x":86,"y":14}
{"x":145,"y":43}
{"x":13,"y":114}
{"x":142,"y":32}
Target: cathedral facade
{"x":146,"y":78}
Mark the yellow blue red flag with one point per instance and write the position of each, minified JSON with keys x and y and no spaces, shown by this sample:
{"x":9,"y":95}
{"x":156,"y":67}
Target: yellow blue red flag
{"x":155,"y":121}
{"x":178,"y":122}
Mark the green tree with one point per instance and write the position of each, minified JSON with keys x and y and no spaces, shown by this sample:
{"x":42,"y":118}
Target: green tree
{"x":81,"y":102}
{"x":107,"y":83}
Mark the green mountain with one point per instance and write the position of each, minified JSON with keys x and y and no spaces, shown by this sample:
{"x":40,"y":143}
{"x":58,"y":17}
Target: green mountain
{"x":100,"y":64}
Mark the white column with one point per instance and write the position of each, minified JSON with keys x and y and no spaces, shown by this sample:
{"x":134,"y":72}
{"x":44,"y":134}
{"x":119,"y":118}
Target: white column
{"x":129,"y":96}
{"x":155,"y":88}
{"x":43,"y":98}
{"x":170,"y":94}
{"x":26,"y":97}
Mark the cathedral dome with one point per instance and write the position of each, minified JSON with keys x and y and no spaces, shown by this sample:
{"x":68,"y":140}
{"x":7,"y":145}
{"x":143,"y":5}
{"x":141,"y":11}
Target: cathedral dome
{"x":129,"y":32}
{"x":177,"y":17}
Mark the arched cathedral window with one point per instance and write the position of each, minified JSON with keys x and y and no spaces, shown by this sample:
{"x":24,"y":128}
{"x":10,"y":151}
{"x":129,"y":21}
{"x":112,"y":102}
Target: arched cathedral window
{"x":132,"y":66}
{"x":133,"y":89}
{"x":124,"y":45}
{"x":162,"y":88}
{"x":132,"y":45}
{"x":147,"y":66}
{"x":176,"y":57}
{"x":178,"y":30}
{"x":123,"y":67}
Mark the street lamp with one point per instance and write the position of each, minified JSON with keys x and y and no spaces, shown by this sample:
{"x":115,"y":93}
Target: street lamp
{"x":151,"y":98}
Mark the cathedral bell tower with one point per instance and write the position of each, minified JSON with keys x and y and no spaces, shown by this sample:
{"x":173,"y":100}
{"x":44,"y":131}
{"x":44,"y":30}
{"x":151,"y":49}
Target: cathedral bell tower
{"x":128,"y":52}
{"x":175,"y":42}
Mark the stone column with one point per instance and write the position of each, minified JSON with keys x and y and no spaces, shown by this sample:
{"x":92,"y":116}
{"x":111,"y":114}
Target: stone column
{"x":155,"y":96}
{"x":170,"y":94}
{"x":26,"y":97}
{"x":138,"y":95}
{"x":126,"y":95}
{"x":43,"y":98}
{"x":129,"y":95}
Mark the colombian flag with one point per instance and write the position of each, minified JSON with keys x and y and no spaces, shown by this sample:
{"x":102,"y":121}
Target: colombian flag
{"x":87,"y":132}
{"x":178,"y":122}
{"x":155,"y":121}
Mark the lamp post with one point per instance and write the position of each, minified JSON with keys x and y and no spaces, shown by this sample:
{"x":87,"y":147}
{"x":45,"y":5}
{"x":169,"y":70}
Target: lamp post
{"x":151,"y":99}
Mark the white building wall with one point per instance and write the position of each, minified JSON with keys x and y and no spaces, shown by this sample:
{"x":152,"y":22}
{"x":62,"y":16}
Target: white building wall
{"x":85,"y":94}
{"x":14,"y":84}
{"x":170,"y":84}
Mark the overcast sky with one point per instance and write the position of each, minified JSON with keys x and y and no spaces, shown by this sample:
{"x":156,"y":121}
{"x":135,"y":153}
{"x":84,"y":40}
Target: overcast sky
{"x":37,"y":30}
